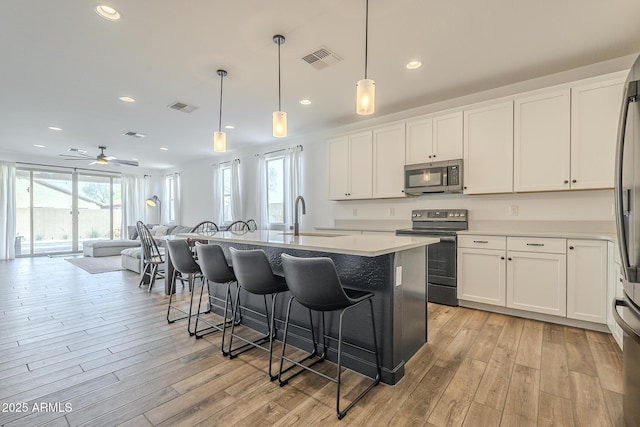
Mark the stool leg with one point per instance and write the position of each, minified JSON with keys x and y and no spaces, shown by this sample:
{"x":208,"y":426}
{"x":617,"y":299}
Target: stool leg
{"x":272,"y":334}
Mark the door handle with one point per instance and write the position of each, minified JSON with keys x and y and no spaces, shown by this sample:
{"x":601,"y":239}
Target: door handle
{"x":620,"y":321}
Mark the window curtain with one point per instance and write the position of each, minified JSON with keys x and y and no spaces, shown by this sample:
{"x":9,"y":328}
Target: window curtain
{"x":132,"y":202}
{"x":217,"y":194}
{"x":172,"y":186}
{"x":236,"y":197}
{"x":292,"y":182}
{"x":7,"y":210}
{"x":261,"y":194}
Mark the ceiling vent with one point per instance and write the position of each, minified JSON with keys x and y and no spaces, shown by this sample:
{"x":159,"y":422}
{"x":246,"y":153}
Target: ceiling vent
{"x":134,"y":134}
{"x":77,"y":150}
{"x":181,"y":106}
{"x":321,"y":58}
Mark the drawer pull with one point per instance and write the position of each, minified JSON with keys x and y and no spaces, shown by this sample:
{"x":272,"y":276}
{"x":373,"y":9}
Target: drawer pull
{"x":480,"y":241}
{"x":535,"y":244}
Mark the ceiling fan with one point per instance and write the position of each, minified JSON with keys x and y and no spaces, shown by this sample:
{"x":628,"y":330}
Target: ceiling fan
{"x":100,"y":159}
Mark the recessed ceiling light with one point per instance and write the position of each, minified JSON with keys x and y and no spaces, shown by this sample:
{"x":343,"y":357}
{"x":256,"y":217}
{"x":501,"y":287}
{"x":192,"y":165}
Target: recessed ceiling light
{"x":414,"y":64}
{"x":305,"y":101}
{"x":39,"y":145}
{"x":164,"y":148}
{"x":54,"y":128}
{"x":108,"y":12}
{"x":229,"y":127}
{"x":127,"y":99}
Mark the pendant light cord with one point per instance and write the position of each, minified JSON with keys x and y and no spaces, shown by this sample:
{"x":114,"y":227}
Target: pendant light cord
{"x":220,"y":117}
{"x":366,"y":39}
{"x":279,"y":85}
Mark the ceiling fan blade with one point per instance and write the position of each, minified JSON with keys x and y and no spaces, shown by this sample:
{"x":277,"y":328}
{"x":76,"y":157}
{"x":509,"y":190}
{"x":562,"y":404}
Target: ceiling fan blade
{"x":71,"y":157}
{"x":124,"y":162}
{"x":109,"y":158}
{"x":93,"y":163}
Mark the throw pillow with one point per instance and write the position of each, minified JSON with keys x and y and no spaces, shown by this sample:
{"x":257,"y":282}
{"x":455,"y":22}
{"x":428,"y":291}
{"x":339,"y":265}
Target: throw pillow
{"x":159,"y":230}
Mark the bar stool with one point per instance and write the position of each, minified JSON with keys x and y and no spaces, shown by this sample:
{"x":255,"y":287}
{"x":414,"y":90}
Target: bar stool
{"x":184,"y":265}
{"x":315,"y":284}
{"x":215,"y":269}
{"x":255,"y":276}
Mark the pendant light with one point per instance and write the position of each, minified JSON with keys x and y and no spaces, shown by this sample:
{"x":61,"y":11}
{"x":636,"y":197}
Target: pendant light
{"x":366,"y":88}
{"x":220,"y":138}
{"x":279,"y":117}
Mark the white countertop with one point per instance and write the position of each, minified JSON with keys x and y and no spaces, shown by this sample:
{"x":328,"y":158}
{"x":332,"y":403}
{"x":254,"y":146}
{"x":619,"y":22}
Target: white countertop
{"x":554,"y":234}
{"x":361,"y":245}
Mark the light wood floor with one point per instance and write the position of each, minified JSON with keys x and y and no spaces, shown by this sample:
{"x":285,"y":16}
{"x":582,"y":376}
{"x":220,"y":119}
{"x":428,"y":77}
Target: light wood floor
{"x":102,"y":345}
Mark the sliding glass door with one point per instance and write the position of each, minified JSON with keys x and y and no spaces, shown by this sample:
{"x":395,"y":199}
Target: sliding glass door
{"x":57,"y":210}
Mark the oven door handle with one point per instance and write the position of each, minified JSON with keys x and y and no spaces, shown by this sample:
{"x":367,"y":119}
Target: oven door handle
{"x":447,"y":239}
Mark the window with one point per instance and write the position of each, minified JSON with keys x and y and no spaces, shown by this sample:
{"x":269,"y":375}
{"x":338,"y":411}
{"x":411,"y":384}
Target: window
{"x":171,"y":198}
{"x":227,"y":211}
{"x":275,"y":190}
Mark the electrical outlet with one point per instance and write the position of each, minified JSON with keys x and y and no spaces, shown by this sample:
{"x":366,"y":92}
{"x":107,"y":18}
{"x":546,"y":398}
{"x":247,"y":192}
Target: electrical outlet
{"x":392,"y":211}
{"x":513,"y":210}
{"x":354,"y":212}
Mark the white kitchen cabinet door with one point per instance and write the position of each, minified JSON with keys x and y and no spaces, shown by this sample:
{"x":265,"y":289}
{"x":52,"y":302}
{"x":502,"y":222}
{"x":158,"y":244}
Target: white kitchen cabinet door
{"x":595,"y":109}
{"x":419,"y":141}
{"x":541,"y":141}
{"x":587,"y":280}
{"x":482,"y":276}
{"x":488,"y":149}
{"x":447,"y":136}
{"x":338,"y":167}
{"x":537,"y":282}
{"x":360,"y":165}
{"x":388,"y":161}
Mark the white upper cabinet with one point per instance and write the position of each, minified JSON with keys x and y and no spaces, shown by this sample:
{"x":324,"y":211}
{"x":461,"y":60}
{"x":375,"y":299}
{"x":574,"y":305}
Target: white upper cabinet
{"x":488,"y":149}
{"x":595,"y":109}
{"x":542,"y":141}
{"x":388,"y":161}
{"x":434,"y":138}
{"x":350,"y":166}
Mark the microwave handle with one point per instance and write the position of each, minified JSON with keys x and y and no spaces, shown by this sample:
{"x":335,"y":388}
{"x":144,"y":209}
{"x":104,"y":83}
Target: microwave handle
{"x":445,"y":177}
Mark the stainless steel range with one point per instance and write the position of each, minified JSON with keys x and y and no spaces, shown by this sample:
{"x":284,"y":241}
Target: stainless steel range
{"x":441,"y":257}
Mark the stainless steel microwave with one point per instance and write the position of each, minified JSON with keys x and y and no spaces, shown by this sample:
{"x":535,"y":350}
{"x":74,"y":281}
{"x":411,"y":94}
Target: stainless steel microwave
{"x":435,"y":177}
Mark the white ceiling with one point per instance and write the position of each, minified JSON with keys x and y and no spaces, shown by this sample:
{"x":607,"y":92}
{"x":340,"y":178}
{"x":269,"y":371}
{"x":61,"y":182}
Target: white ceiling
{"x":63,"y":65}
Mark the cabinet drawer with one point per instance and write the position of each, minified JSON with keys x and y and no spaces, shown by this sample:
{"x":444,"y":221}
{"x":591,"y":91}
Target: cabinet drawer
{"x":482,"y":242}
{"x":537,"y":244}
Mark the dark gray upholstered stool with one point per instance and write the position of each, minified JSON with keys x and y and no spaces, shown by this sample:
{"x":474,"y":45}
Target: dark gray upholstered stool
{"x":255,"y":276}
{"x":315,"y":284}
{"x":215,"y":270}
{"x":185,"y":267}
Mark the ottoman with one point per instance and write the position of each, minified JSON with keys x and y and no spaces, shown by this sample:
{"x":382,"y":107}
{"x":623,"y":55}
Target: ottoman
{"x":98,"y":248}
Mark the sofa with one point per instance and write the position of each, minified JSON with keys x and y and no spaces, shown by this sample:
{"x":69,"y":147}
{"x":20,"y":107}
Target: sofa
{"x":99,"y":248}
{"x":132,"y":256}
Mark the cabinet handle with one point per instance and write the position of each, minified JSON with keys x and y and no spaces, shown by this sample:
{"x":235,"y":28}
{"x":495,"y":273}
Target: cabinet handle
{"x":501,"y":257}
{"x":566,"y":181}
{"x":574,"y":181}
{"x":535,"y":244}
{"x":465,"y":187}
{"x":509,"y":258}
{"x":429,"y":156}
{"x":480,"y":241}
{"x":434,"y":156}
{"x":571,"y":247}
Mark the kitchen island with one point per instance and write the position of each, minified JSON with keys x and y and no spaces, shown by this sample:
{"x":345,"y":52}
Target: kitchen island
{"x":392,"y":267}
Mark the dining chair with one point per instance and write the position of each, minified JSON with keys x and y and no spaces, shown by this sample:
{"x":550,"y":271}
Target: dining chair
{"x":205,"y":227}
{"x":238,"y":225}
{"x":152,"y":256}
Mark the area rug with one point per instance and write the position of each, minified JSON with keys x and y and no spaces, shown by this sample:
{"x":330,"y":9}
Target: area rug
{"x":97,"y":265}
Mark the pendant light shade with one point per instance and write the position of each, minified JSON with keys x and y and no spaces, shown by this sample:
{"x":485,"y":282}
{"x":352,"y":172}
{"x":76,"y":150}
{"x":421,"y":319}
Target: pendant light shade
{"x":366,"y":88}
{"x":219,"y":137}
{"x":279,"y":117}
{"x":366,"y":96}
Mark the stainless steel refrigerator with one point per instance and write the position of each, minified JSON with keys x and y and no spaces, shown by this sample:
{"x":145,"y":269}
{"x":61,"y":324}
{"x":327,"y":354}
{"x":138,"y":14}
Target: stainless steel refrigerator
{"x":627,"y":195}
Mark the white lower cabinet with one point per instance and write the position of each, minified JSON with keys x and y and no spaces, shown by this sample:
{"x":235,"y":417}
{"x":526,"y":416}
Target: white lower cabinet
{"x":586,"y":280}
{"x":537,"y":282}
{"x":482,"y":269}
{"x":555,"y":276}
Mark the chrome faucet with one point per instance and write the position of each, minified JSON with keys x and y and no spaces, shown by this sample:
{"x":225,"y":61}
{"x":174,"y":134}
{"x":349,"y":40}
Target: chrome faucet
{"x":296,"y":226}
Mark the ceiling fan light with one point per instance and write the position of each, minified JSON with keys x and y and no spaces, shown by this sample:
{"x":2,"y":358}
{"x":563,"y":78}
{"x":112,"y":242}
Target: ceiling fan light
{"x":102,"y":161}
{"x":219,"y":142}
{"x":279,"y":124}
{"x":365,"y":97}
